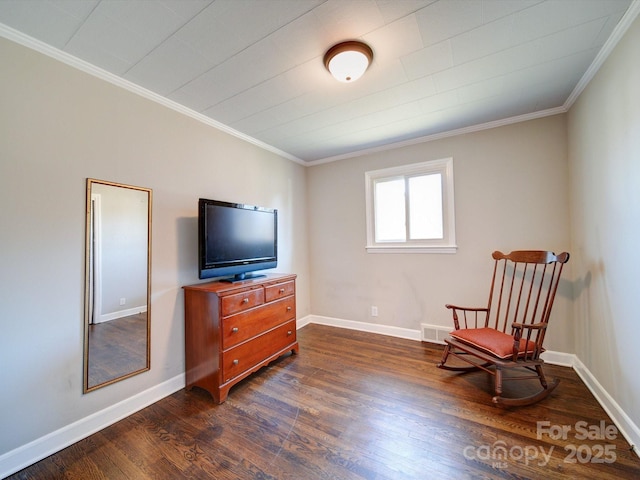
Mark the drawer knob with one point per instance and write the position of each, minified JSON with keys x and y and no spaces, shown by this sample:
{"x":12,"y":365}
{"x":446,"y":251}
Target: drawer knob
{"x":289,"y":332}
{"x":282,"y":290}
{"x":234,"y":330}
{"x":236,"y":362}
{"x":288,"y":309}
{"x":245,"y":300}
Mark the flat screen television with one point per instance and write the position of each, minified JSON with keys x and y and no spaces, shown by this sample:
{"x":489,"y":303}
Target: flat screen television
{"x":236,"y":239}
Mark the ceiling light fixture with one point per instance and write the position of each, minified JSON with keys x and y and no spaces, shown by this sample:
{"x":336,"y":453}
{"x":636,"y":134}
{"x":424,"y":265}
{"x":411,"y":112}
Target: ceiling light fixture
{"x":347,"y":61}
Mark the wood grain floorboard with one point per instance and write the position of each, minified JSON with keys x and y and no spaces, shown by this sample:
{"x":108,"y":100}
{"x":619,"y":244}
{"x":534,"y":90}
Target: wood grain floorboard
{"x":352,"y":405}
{"x":117,"y":348}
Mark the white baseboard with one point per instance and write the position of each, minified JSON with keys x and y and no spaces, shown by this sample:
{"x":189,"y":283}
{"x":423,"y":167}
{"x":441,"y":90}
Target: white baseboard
{"x":436,"y":334}
{"x":40,"y":448}
{"x":122,"y":313}
{"x":303,"y":322}
{"x":559,"y":358}
{"x":53,"y":442}
{"x":626,"y":426}
{"x":365,"y":327}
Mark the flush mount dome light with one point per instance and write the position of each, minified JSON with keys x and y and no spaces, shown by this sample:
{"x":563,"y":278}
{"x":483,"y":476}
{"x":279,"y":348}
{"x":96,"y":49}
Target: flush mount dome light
{"x":347,"y":61}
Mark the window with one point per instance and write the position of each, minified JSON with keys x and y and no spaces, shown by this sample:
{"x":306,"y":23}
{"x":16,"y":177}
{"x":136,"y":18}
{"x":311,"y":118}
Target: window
{"x":410,"y":208}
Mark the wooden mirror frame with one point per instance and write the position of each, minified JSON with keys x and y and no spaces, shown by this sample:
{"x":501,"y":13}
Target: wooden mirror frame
{"x":88,"y":300}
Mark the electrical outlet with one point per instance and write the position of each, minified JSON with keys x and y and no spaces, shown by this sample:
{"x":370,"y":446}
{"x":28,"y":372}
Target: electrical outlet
{"x":374,"y":311}
{"x":123,"y":301}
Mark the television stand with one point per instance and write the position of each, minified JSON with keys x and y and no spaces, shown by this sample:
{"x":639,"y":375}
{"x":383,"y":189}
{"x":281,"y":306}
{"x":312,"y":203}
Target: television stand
{"x":241,"y":277}
{"x":234,"y":329}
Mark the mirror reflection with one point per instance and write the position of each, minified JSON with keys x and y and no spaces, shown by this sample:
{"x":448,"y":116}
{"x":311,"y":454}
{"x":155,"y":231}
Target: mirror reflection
{"x":117,"y":290}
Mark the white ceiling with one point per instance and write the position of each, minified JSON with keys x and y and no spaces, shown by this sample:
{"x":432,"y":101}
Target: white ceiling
{"x":255,"y":66}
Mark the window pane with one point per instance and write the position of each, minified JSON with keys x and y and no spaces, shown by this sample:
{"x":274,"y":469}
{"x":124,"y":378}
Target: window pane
{"x":410,"y":208}
{"x":390,"y":211}
{"x":425,"y":207}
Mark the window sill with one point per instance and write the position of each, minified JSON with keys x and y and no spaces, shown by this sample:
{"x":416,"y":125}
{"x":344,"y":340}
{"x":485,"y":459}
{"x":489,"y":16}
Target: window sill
{"x":411,"y":249}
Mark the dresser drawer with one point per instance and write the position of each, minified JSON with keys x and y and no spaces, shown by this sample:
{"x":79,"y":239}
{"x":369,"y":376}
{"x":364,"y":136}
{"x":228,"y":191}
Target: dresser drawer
{"x":231,"y":330}
{"x":242,"y":326}
{"x":239,"y":302}
{"x":280,"y":290}
{"x":245,"y":356}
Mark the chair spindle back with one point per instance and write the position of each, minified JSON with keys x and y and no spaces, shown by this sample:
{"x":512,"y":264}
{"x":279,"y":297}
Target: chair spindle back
{"x":523,"y":290}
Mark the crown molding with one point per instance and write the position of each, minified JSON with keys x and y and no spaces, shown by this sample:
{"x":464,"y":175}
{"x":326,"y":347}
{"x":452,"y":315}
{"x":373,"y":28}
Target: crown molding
{"x":628,"y":18}
{"x":68,"y":59}
{"x":621,"y":28}
{"x":618,"y":32}
{"x":450,"y":133}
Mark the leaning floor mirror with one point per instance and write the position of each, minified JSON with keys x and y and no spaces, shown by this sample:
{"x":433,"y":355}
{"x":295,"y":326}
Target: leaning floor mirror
{"x":117,"y":283}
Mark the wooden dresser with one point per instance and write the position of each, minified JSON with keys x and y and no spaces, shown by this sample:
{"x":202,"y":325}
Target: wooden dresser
{"x":234,"y":329}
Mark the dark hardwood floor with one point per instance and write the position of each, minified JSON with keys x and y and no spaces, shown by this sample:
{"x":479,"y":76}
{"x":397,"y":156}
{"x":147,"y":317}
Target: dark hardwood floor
{"x":117,"y":347}
{"x":354,"y":405}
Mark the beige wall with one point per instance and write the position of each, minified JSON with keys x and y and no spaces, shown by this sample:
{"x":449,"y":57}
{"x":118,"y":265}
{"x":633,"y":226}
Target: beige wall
{"x":604,"y":154}
{"x":59,"y":126}
{"x":510,"y":193}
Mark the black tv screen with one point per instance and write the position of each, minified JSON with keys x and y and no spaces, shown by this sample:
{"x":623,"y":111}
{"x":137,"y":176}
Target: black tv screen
{"x":235,"y":239}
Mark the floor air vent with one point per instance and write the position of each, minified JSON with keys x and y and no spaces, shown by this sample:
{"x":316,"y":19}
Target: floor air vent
{"x":434,"y":333}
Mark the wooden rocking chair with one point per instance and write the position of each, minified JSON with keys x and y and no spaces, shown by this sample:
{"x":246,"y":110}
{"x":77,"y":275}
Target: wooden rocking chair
{"x":509,"y":332}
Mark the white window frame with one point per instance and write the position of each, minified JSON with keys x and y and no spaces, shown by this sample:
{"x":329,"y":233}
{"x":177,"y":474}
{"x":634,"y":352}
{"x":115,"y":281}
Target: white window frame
{"x":447,"y":244}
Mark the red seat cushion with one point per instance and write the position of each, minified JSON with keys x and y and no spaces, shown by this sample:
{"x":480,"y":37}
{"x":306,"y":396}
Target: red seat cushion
{"x":491,"y":341}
